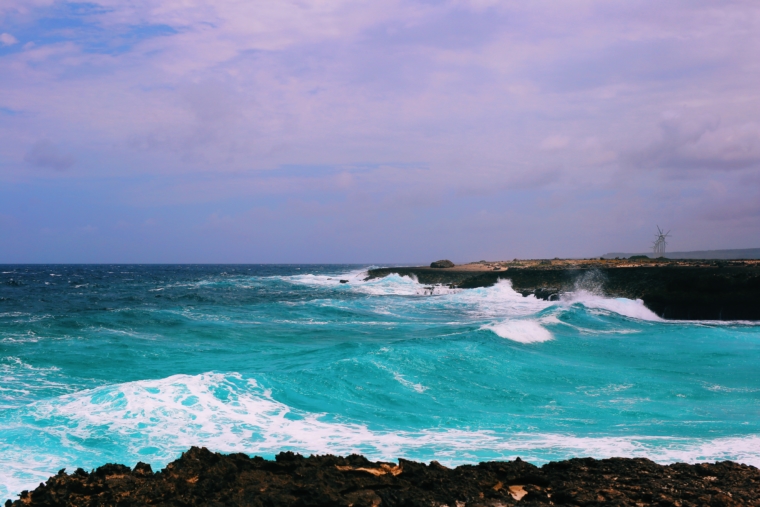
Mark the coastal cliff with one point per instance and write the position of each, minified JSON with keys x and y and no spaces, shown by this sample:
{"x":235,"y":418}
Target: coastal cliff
{"x":680,"y":290}
{"x":203,"y":478}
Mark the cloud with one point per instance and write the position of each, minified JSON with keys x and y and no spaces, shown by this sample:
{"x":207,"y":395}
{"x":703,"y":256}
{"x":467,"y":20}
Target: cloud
{"x":568,"y":117}
{"x":45,"y":154}
{"x":552,"y":143}
{"x":730,"y":211}
{"x":7,"y":39}
{"x":692,"y":142}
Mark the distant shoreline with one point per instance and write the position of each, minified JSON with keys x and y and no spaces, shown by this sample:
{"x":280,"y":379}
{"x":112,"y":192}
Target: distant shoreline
{"x":735,"y":254}
{"x":673,"y":289}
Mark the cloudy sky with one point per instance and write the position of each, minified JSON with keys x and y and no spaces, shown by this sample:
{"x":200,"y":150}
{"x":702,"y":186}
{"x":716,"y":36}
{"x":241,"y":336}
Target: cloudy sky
{"x":366,"y":131}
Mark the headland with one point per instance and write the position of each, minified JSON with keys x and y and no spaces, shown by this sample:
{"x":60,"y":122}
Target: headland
{"x":680,"y":289}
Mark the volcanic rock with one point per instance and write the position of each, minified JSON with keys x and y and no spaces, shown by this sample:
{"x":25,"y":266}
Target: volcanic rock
{"x":201,"y":477}
{"x":687,"y":290}
{"x":445,"y":263}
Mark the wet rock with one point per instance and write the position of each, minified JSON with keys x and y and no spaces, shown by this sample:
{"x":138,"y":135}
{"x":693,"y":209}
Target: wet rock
{"x":201,"y":477}
{"x":688,"y":292}
{"x":545,"y":293}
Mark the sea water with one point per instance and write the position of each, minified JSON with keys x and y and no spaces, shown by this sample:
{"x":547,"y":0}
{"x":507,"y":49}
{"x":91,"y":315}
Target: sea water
{"x":123,"y":364}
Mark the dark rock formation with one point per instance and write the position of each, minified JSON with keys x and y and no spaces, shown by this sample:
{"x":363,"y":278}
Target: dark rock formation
{"x":707,"y":292}
{"x":201,"y":477}
{"x":445,"y":263}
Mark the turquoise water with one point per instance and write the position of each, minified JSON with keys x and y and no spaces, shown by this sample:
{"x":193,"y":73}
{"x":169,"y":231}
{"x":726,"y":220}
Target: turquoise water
{"x":137,"y":363}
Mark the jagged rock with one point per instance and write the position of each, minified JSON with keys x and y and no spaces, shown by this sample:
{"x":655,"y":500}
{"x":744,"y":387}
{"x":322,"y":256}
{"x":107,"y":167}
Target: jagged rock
{"x":696,"y":291}
{"x":445,"y":263}
{"x":201,"y":477}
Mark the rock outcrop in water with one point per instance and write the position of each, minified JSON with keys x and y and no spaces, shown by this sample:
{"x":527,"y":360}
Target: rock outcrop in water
{"x":685,"y":290}
{"x":203,"y":478}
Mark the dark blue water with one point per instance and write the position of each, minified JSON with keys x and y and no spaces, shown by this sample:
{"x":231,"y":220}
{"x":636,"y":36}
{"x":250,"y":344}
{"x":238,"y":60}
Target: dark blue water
{"x":137,"y":363}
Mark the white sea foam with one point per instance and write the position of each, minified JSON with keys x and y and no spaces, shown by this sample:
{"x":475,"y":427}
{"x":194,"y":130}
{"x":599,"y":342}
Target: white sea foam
{"x":391,"y":285}
{"x":407,"y":383}
{"x":398,"y":285}
{"x":721,"y":323}
{"x":499,"y":300}
{"x":155,"y":420}
{"x":398,"y":377}
{"x":355,"y":276}
{"x":523,"y":331}
{"x":717,"y":388}
{"x":21,"y":382}
{"x":622,"y":306}
{"x":15,"y":362}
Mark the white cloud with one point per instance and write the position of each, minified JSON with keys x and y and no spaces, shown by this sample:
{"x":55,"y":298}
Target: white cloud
{"x":463,"y":99}
{"x":7,"y":39}
{"x":695,"y":141}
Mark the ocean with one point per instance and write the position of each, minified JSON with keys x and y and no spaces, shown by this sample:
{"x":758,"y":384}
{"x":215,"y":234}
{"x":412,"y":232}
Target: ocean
{"x":124,"y":363}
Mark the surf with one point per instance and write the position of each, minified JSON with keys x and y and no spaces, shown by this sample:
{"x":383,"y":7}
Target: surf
{"x":109,"y":364}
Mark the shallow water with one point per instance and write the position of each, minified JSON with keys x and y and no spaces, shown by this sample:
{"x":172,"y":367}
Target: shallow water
{"x":137,"y":363}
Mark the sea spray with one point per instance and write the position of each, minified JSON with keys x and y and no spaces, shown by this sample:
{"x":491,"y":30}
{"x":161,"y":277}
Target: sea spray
{"x":137,"y":363}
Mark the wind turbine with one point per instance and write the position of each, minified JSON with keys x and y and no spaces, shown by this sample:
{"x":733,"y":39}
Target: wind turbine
{"x":660,"y":243}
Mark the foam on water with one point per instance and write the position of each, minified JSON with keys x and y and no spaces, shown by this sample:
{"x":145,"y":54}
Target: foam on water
{"x":21,"y":382}
{"x":391,"y":285}
{"x":324,"y":280}
{"x":523,"y":331}
{"x":622,"y":306}
{"x":155,"y":420}
{"x":499,"y":300}
{"x":102,"y":368}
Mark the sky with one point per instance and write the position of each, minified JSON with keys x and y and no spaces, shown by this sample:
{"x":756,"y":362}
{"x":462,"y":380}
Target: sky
{"x":316,"y":131}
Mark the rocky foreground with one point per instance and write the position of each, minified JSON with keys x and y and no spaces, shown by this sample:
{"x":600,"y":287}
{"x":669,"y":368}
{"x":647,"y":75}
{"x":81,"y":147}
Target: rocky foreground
{"x":201,"y":477}
{"x":673,"y":289}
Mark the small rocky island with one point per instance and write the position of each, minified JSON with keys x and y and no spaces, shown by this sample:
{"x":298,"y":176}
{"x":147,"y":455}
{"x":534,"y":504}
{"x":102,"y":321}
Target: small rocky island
{"x":682,"y":289}
{"x":203,"y":478}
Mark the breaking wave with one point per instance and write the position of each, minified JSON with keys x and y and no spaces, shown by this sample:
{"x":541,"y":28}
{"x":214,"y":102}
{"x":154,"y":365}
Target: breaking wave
{"x":156,"y":420}
{"x":107,"y":366}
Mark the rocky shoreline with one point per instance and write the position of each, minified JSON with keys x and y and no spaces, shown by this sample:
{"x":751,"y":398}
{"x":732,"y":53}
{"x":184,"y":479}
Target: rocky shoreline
{"x":673,"y":289}
{"x":201,"y":477}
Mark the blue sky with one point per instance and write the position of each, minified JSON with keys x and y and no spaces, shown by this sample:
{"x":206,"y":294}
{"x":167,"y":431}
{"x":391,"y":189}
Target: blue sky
{"x":358,"y":131}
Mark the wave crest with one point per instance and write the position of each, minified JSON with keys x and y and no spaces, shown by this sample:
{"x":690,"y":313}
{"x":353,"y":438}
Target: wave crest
{"x":523,"y":331}
{"x":155,"y":420}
